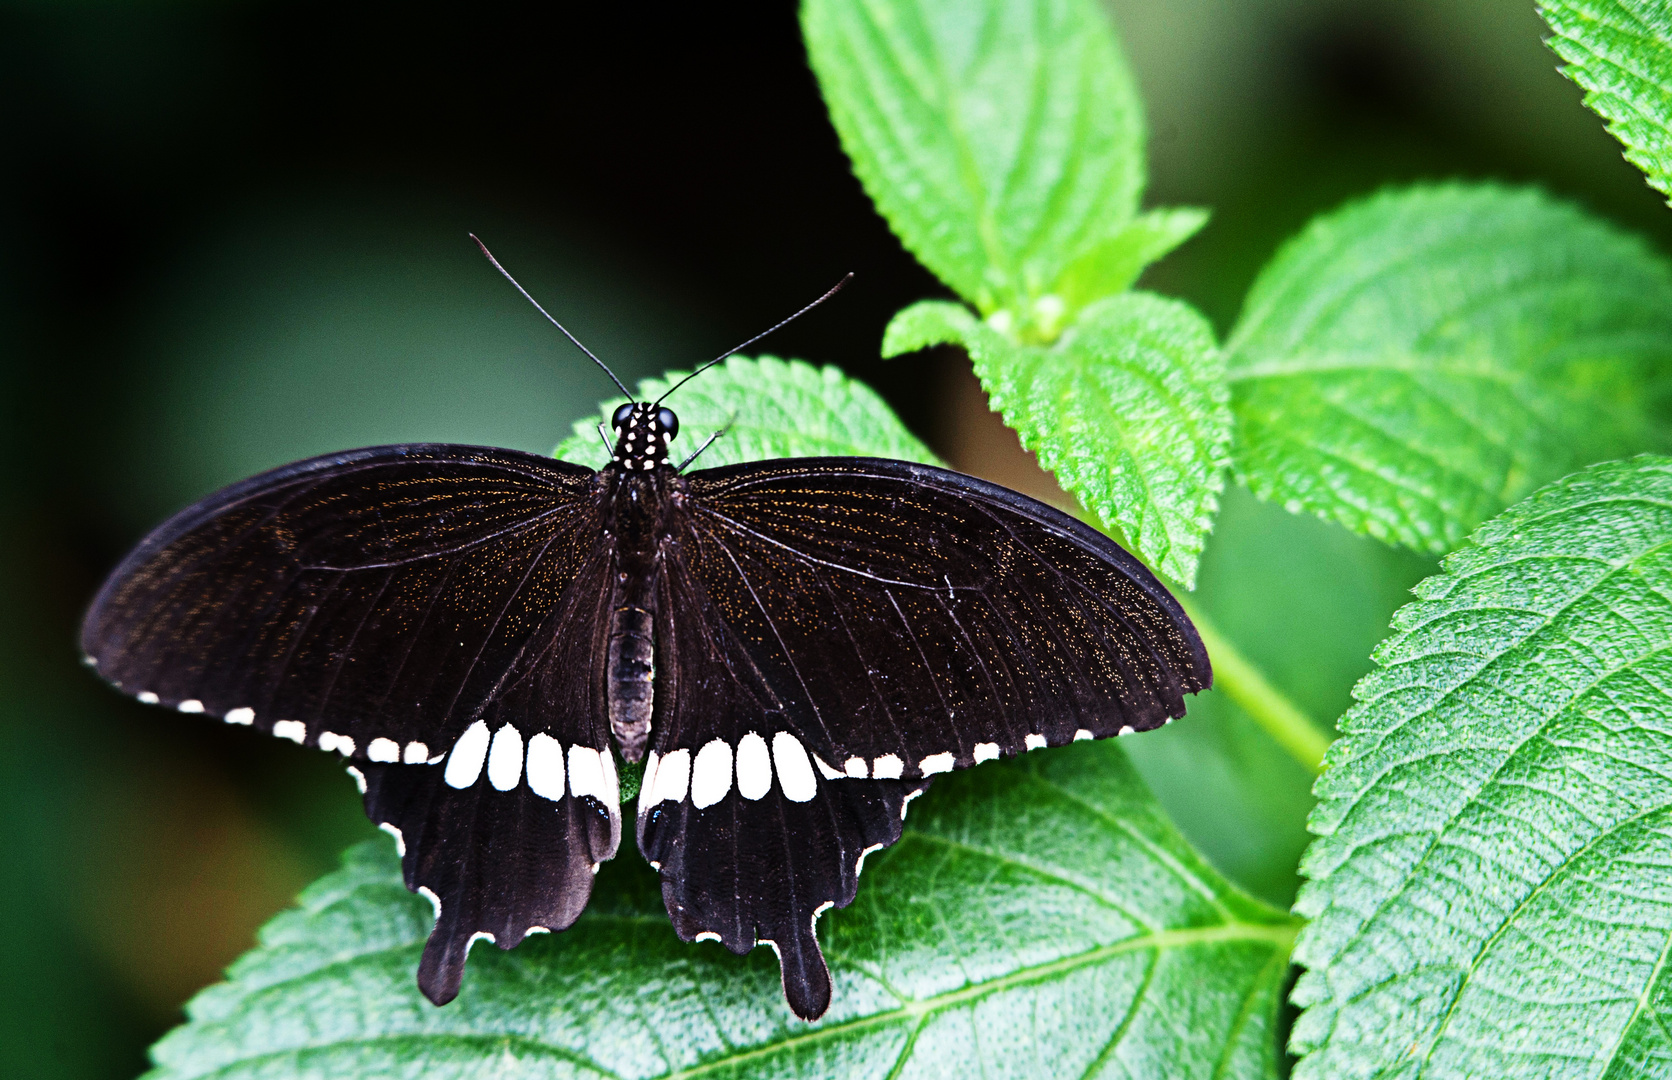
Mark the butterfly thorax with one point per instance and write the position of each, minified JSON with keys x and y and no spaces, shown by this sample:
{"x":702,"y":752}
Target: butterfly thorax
{"x":637,"y":486}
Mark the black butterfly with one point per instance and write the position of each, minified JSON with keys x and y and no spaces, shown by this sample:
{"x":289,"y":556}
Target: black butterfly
{"x":792,"y":647}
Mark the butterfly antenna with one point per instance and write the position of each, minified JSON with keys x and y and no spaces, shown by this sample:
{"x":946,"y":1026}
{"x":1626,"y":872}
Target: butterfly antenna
{"x":832,"y":291}
{"x":619,"y":384}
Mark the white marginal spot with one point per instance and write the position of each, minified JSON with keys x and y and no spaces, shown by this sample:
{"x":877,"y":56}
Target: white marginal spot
{"x":1082,"y":735}
{"x":359,"y":778}
{"x":906,"y":804}
{"x":795,"y":772}
{"x":435,"y":760}
{"x":435,"y":901}
{"x":416,"y":753}
{"x":754,"y":767}
{"x":586,"y":773}
{"x":937,"y":763}
{"x":887,"y":767}
{"x":859,"y":867}
{"x":545,"y":766}
{"x":147,"y":697}
{"x":820,"y":910}
{"x":505,"y":758}
{"x":773,"y":945}
{"x":710,"y":775}
{"x":857,"y":768}
{"x":244,"y":716}
{"x":191,"y":704}
{"x":400,"y":841}
{"x":986,"y":751}
{"x":825,"y":770}
{"x":464,"y":763}
{"x":381,"y":749}
{"x":673,"y":778}
{"x":1125,"y":730}
{"x":89,"y":661}
{"x":1034,"y":742}
{"x":480,"y":935}
{"x":707,"y":935}
{"x":531,"y":931}
{"x":294,"y":730}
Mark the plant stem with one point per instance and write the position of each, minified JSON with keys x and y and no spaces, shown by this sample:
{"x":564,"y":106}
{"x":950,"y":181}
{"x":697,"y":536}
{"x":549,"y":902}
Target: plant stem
{"x":1266,"y":705}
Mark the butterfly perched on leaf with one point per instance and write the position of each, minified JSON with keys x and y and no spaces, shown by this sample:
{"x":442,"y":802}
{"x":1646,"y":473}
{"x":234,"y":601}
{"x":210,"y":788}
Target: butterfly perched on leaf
{"x":792,"y":648}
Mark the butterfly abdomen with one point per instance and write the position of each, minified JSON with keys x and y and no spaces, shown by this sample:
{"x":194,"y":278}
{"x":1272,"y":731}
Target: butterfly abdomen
{"x":631,"y":671}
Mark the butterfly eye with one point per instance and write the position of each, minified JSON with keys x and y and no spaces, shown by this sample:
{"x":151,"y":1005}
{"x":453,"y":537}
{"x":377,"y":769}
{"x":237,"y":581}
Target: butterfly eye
{"x":669,"y":422}
{"x":621,"y":415}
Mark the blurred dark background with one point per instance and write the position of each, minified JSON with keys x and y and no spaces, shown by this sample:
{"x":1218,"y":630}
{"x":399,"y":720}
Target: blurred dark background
{"x":233,"y":234}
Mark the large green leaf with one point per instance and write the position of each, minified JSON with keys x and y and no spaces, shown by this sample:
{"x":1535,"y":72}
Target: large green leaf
{"x":1491,"y":886}
{"x":1003,"y":142}
{"x":1039,"y":918}
{"x":1411,"y":364}
{"x":1128,"y":409}
{"x":1620,"y":51}
{"x":767,"y":408}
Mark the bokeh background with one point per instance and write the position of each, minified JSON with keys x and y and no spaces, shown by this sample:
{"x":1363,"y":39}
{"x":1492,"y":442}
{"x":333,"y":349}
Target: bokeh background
{"x":233,"y":234}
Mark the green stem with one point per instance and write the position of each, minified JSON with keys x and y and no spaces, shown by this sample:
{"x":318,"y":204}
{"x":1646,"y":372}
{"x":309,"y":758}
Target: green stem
{"x":1244,"y":683}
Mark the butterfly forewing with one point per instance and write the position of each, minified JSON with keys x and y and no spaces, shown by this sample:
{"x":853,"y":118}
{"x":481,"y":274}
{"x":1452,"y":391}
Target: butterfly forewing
{"x":381,"y":594}
{"x":909,"y":620}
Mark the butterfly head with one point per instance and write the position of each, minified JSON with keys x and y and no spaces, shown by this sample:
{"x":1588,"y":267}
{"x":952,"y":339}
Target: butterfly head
{"x":642,"y":433}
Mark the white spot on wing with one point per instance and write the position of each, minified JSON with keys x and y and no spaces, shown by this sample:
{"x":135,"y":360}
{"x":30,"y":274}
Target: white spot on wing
{"x":937,"y":763}
{"x":1082,"y":735}
{"x":887,"y":767}
{"x":1034,"y":742}
{"x":190,"y":705}
{"x":711,"y":774}
{"x":825,"y":770}
{"x":416,"y":753}
{"x":400,"y":841}
{"x":294,"y":730}
{"x":545,"y":766}
{"x":382,"y":749}
{"x":986,"y":751}
{"x":859,"y":867}
{"x":1125,"y":730}
{"x":435,"y":901}
{"x":673,"y":777}
{"x":586,"y":772}
{"x":359,"y":778}
{"x":754,"y":767}
{"x":531,"y":931}
{"x":707,"y":935}
{"x":480,"y":935}
{"x":505,"y":758}
{"x":795,"y":772}
{"x":147,"y":697}
{"x":905,"y":804}
{"x":611,"y":791}
{"x":464,"y":763}
{"x":857,"y":768}
{"x":244,"y":716}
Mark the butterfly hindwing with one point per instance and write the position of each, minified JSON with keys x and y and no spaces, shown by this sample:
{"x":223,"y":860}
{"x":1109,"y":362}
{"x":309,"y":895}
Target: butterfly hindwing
{"x":753,"y":839}
{"x":908,"y":620}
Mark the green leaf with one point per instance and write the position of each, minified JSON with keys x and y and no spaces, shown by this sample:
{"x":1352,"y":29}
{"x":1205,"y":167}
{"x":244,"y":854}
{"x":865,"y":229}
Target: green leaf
{"x":1128,"y":410}
{"x":1620,"y":51}
{"x":1039,"y":918}
{"x":1414,"y":362}
{"x":1491,"y":886}
{"x":1112,"y":266}
{"x":1003,"y":142}
{"x":768,"y":408}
